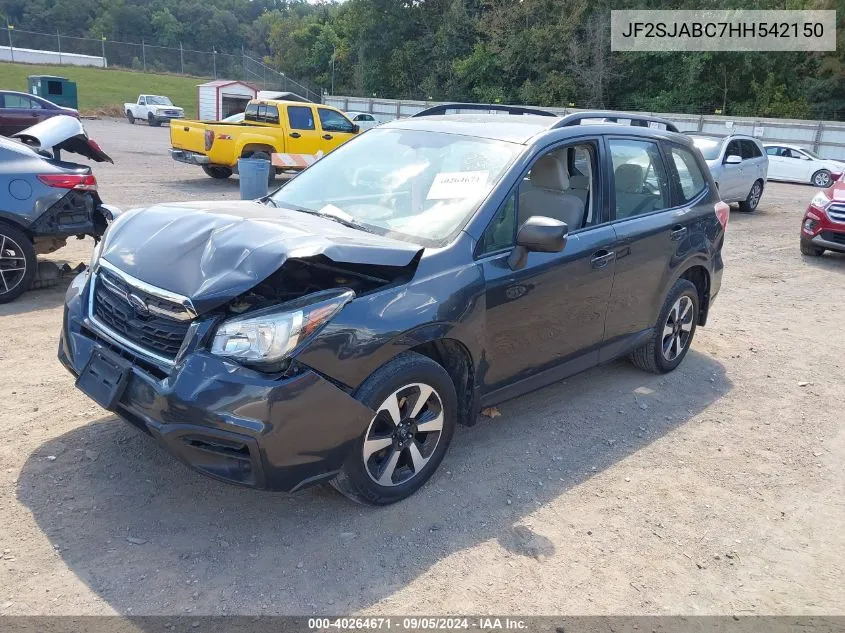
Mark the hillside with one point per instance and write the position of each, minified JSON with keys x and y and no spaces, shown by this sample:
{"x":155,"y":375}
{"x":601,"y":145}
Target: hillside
{"x":104,"y":90}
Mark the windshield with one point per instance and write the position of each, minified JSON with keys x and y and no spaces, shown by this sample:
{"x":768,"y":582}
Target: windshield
{"x":154,"y":100}
{"x":708,"y":147}
{"x":407,"y":184}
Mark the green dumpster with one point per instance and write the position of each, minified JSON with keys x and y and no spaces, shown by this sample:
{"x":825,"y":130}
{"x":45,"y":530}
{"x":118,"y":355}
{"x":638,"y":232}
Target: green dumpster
{"x":59,"y":90}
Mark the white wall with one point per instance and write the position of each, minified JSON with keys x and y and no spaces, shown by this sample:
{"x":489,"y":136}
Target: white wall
{"x":209,"y":96}
{"x":31,"y":56}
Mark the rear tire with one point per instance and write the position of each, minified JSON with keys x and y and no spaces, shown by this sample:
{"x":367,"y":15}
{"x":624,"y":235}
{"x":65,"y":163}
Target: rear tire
{"x":130,"y":117}
{"x":391,"y":461}
{"x":215,"y":171}
{"x":822,"y":178}
{"x":673,"y":332}
{"x":264,"y":156}
{"x":753,"y":199}
{"x":16,"y":252}
{"x":810,"y":250}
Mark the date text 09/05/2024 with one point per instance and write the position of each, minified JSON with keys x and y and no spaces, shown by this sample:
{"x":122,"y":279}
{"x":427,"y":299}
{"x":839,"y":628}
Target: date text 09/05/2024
{"x":416,"y":623}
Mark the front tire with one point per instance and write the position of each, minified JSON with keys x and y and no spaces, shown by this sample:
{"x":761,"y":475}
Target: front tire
{"x":810,"y":250}
{"x":17,"y":263}
{"x":152,"y":121}
{"x":753,"y":199}
{"x":416,"y":411}
{"x":130,"y":117}
{"x":673,"y":332}
{"x":822,"y":178}
{"x":215,"y":171}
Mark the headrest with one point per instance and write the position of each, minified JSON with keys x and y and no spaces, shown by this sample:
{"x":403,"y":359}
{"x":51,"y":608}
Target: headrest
{"x":629,"y":178}
{"x":549,"y":173}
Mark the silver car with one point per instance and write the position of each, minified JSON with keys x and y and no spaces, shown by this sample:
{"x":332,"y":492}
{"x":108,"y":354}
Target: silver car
{"x":739,"y":166}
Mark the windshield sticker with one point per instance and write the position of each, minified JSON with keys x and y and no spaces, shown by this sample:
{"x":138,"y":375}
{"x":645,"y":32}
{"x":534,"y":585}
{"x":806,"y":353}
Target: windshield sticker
{"x":457,"y":184}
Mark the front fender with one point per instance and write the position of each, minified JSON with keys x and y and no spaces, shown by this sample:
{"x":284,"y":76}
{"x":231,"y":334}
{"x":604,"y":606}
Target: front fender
{"x":373,"y":329}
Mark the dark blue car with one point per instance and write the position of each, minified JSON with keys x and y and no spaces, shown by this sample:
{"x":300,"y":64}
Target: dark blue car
{"x":341,"y":328}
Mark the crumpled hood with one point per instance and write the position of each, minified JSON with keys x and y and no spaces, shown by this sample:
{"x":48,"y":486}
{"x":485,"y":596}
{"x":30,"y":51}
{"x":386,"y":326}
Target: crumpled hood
{"x":211,"y":252}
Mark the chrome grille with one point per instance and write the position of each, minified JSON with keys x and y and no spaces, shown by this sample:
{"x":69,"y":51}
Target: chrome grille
{"x":836,"y":212}
{"x":148,"y":322}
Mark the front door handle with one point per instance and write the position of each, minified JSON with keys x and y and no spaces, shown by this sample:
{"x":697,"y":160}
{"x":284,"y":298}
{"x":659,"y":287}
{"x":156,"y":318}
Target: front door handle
{"x":328,"y":137}
{"x":295,"y":134}
{"x":678,"y":233}
{"x":602,"y":258}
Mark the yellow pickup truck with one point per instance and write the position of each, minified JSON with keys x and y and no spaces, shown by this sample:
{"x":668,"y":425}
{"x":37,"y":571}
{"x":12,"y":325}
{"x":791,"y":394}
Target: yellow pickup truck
{"x":285,"y":127}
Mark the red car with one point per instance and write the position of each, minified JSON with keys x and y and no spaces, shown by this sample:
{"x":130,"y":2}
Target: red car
{"x":823,"y":227}
{"x":19,"y":110}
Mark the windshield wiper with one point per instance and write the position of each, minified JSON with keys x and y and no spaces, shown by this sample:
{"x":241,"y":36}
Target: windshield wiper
{"x":345,"y":221}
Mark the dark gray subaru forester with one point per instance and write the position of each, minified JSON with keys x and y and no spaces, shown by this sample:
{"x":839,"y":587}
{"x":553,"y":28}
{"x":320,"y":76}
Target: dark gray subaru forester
{"x":339,"y":329}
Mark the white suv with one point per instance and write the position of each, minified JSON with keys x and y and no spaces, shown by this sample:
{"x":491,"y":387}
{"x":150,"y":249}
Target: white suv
{"x":739,"y":166}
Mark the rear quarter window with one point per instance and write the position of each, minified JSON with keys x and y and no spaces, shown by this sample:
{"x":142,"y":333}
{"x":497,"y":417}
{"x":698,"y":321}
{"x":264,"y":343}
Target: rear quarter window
{"x":690,"y":179}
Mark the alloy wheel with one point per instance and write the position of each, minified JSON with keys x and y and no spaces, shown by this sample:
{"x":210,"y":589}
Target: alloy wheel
{"x":754,"y":196}
{"x":678,"y":328}
{"x":12,"y":264}
{"x":822,"y":179}
{"x":403,"y":435}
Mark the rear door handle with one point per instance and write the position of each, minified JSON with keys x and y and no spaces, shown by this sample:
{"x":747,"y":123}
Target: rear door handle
{"x":602,"y":258}
{"x":678,"y":233}
{"x":328,"y":137}
{"x":295,"y":134}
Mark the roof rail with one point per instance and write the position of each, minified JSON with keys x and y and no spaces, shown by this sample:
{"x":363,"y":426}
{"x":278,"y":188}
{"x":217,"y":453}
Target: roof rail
{"x":640,"y":120}
{"x":443,"y":107}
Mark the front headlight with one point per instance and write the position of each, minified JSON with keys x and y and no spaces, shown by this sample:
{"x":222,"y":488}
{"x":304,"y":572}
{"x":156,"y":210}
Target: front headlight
{"x":266,"y":337}
{"x":820,"y":200}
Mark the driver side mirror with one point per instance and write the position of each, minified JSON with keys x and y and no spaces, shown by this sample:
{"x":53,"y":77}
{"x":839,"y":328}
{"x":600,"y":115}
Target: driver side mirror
{"x":733,"y":159}
{"x":539,"y":234}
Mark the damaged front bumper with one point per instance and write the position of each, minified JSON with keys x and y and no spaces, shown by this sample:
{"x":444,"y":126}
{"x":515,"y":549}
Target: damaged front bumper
{"x":221,"y":419}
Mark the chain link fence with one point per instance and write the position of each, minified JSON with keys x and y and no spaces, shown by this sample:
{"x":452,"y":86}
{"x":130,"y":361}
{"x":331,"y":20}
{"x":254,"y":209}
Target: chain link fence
{"x":35,"y":47}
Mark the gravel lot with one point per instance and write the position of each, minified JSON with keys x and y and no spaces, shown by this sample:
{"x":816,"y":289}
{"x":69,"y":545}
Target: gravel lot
{"x":717,"y":489}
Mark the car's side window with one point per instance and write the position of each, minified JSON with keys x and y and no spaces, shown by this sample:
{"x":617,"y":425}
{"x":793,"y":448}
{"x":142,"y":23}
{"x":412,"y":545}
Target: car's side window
{"x":16,"y":101}
{"x":639,"y":177}
{"x":561,"y":185}
{"x":734,"y":149}
{"x":501,"y":232}
{"x":773,"y":151}
{"x":749,"y":149}
{"x":301,"y":118}
{"x":332,"y":121}
{"x":691,"y":180}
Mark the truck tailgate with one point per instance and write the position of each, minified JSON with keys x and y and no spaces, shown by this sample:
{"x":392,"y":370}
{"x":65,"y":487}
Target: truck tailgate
{"x":188,"y":135}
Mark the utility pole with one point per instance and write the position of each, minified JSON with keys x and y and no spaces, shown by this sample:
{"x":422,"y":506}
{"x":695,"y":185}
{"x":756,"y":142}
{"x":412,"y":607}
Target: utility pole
{"x":144,"y":55}
{"x":214,"y":59}
{"x":59,"y":45}
{"x":334,"y":54}
{"x":103,"y":42}
{"x":9,"y":29}
{"x":181,"y":58}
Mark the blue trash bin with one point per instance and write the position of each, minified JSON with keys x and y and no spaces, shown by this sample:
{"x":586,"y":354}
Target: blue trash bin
{"x":254,"y":175}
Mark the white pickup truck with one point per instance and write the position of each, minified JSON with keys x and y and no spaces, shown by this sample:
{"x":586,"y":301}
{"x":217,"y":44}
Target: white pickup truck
{"x":155,"y":109}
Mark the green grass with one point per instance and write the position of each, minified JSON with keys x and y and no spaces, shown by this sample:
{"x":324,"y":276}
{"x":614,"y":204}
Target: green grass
{"x":104,"y":91}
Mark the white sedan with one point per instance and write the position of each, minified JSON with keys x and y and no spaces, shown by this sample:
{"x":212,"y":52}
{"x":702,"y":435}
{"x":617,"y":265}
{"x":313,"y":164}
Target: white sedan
{"x":790,"y":162}
{"x":363,"y":120}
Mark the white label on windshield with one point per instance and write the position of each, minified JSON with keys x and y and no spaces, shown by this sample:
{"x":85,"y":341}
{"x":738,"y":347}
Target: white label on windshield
{"x":457,"y":184}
